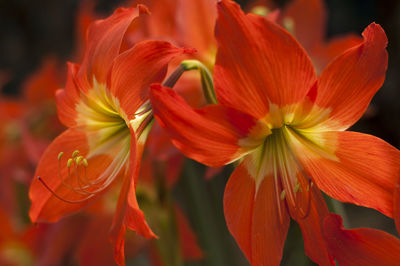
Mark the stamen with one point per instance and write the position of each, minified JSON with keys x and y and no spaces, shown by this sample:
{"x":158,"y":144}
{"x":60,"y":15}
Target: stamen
{"x":61,"y":198}
{"x":60,"y":155}
{"x":69,"y":163}
{"x":75,"y":153}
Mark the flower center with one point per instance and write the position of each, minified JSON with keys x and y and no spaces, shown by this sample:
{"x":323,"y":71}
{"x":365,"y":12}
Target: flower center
{"x":107,"y":130}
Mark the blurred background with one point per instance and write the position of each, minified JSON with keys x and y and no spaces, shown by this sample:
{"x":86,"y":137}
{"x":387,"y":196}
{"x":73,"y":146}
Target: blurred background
{"x":31,"y":31}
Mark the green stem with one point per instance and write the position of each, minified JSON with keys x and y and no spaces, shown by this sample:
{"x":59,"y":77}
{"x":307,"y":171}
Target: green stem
{"x":206,"y":79}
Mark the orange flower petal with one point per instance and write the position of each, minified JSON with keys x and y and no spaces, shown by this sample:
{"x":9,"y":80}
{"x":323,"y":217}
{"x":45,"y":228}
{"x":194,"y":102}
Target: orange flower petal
{"x":135,"y":69}
{"x":311,"y":227}
{"x":258,"y":62}
{"x":68,"y":98}
{"x":347,"y":85}
{"x":128,"y":213}
{"x":253,"y":217}
{"x":46,"y":207}
{"x":220,"y":127}
{"x":362,"y":246}
{"x":103,"y":45}
{"x":364,"y":173}
{"x":323,"y":54}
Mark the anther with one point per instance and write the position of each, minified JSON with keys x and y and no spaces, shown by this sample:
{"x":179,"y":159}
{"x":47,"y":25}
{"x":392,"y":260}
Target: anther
{"x":78,"y":160}
{"x":283,"y":194}
{"x":60,"y":155}
{"x":75,"y":153}
{"x":85,"y":162}
{"x":69,"y":163}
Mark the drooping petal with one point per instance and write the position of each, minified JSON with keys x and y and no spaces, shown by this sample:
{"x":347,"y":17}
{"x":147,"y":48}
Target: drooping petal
{"x":347,"y":85}
{"x":311,"y":227}
{"x":135,"y":69}
{"x":128,"y":214}
{"x":47,"y":205}
{"x":209,"y":135}
{"x":104,"y":40}
{"x":363,"y":170}
{"x":362,"y":246}
{"x":258,"y":63}
{"x":253,"y":217}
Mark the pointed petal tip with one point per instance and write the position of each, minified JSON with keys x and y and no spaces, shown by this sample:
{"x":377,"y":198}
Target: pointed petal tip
{"x":143,"y":9}
{"x":375,"y":32}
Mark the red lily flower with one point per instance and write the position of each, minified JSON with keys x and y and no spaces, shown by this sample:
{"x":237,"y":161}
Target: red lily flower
{"x":104,"y":105}
{"x":286,"y":127}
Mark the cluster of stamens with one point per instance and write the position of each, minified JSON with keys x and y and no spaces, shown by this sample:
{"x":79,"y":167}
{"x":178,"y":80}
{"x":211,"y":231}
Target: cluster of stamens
{"x":287,"y":172}
{"x":76,"y":179}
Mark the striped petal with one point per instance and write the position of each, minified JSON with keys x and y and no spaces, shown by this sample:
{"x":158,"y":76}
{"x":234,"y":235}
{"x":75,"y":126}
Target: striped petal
{"x":258,"y":63}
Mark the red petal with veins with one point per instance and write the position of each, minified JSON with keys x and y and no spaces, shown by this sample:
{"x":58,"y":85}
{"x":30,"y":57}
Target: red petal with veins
{"x":347,"y":84}
{"x":104,"y":38}
{"x":364,"y":172}
{"x":134,"y":70}
{"x":253,"y":217}
{"x":221,"y":127}
{"x":258,"y":62}
{"x":46,"y":207}
{"x":364,"y":246}
{"x":311,"y":227}
{"x":127,"y":213}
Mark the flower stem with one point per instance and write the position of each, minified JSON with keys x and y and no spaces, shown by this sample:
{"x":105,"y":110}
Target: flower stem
{"x":206,"y":79}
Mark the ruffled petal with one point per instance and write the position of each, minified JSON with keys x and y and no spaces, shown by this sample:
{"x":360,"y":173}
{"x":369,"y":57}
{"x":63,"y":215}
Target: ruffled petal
{"x":46,"y":205}
{"x":104,"y":38}
{"x":258,"y":63}
{"x":362,"y":246}
{"x":209,"y":135}
{"x":253,"y":217}
{"x":135,"y":69}
{"x":363,"y":170}
{"x":347,"y":85}
{"x":128,"y":213}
